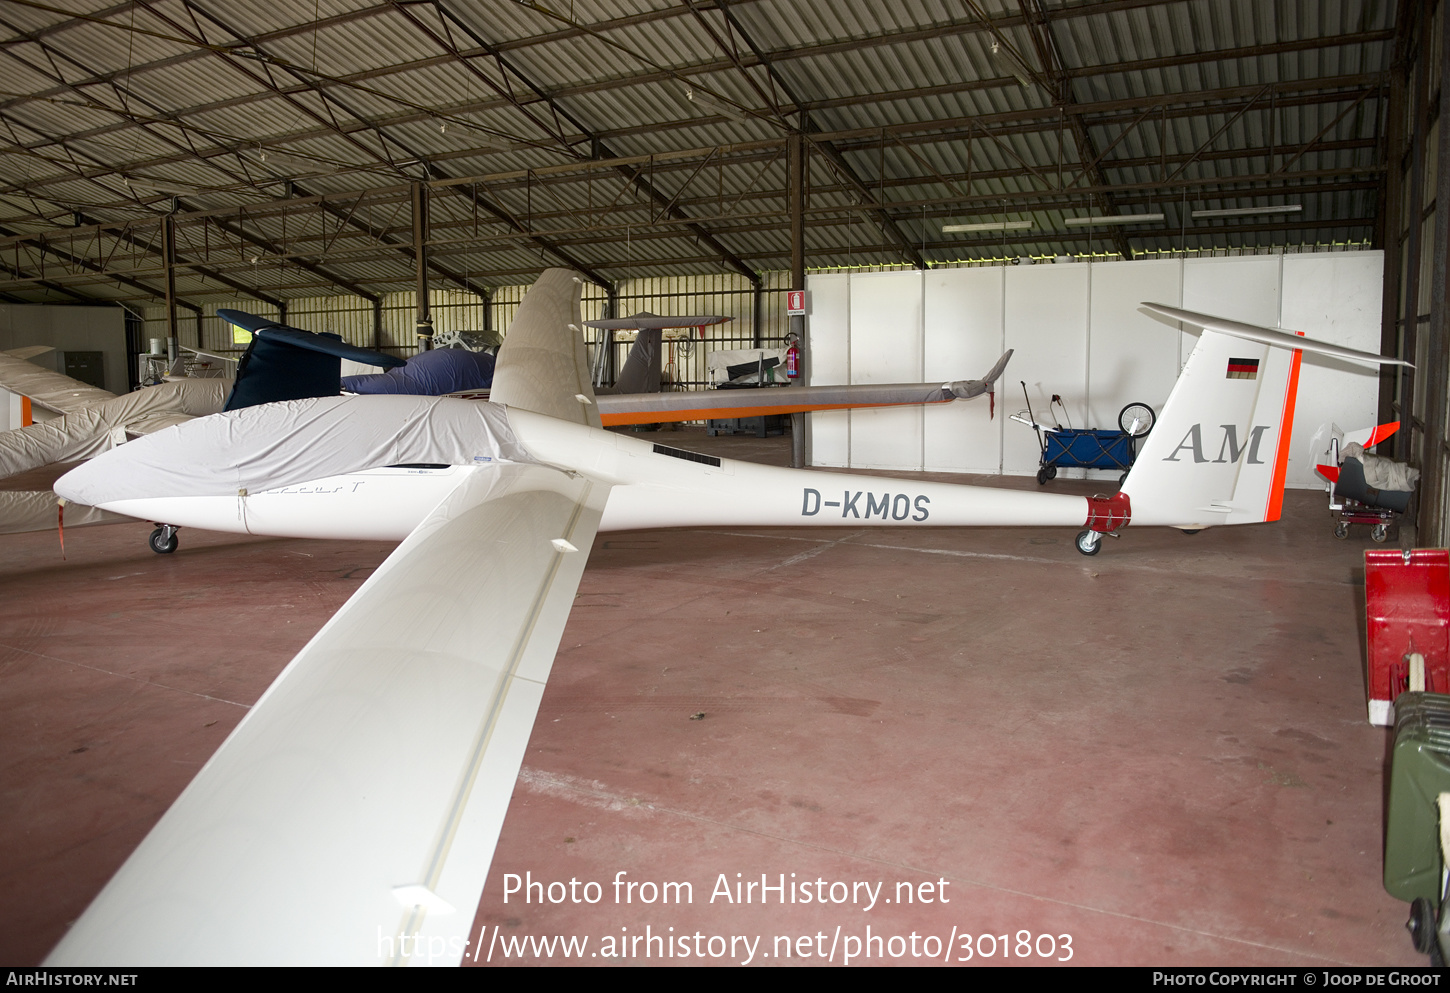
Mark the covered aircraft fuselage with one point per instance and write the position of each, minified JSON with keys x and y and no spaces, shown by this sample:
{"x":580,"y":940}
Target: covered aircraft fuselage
{"x":654,"y":486}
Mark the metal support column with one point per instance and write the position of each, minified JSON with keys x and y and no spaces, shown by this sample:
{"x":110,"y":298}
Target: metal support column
{"x":1391,"y":233}
{"x":168,"y":260}
{"x":796,"y":178}
{"x":1433,"y":377}
{"x":1410,"y":447}
{"x":757,"y":315}
{"x":420,"y":261}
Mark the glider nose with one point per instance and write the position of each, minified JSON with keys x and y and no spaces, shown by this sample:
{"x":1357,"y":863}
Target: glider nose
{"x":96,"y":482}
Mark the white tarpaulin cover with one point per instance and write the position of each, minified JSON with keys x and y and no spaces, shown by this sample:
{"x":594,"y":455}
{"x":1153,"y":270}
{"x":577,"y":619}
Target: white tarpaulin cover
{"x":90,"y":430}
{"x":279,"y":444}
{"x":47,"y":387}
{"x":1382,"y":473}
{"x":35,"y":510}
{"x":539,"y":368}
{"x":717,"y":364}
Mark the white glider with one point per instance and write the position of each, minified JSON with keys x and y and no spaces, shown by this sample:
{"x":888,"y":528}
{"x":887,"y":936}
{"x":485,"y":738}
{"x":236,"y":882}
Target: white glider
{"x":351,"y":816}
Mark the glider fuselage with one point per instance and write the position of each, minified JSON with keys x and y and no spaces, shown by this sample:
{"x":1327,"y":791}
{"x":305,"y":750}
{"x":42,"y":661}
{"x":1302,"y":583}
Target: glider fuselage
{"x":654,"y":485}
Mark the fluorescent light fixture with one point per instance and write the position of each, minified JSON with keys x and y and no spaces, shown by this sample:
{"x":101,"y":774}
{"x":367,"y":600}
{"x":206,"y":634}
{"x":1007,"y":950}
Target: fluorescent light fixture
{"x":1009,"y":61}
{"x":1083,"y":222}
{"x":711,"y":104}
{"x":987,"y":226}
{"x":1288,"y":208}
{"x":281,"y":163}
{"x":168,"y":189}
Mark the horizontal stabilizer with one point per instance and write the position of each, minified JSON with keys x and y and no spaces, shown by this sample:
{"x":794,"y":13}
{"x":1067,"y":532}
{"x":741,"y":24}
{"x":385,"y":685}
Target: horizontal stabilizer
{"x":1269,"y":336}
{"x":646,"y":321}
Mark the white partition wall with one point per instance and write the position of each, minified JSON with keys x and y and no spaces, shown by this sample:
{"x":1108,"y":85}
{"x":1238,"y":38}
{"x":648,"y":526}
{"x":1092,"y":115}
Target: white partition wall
{"x":1241,"y":288}
{"x":1078,"y":333}
{"x":1128,"y":353}
{"x":1046,"y":327}
{"x":963,"y":331}
{"x":891,"y":304}
{"x":829,"y":362}
{"x":1335,"y":297}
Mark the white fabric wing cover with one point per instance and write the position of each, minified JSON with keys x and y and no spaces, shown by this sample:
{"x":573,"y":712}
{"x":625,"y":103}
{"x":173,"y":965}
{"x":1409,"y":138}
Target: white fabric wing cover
{"x":542,"y":363}
{"x":87,"y":431}
{"x":35,"y":510}
{"x":46,"y":387}
{"x":352,"y":815}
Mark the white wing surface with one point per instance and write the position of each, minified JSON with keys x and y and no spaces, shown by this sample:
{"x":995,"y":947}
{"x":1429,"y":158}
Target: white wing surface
{"x":352,"y":815}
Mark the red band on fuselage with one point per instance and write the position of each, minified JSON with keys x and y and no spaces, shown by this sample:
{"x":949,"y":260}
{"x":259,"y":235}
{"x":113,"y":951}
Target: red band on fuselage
{"x":1108,"y":513}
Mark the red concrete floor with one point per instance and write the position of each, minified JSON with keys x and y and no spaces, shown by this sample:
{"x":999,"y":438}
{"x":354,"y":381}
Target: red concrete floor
{"x":1160,"y":752}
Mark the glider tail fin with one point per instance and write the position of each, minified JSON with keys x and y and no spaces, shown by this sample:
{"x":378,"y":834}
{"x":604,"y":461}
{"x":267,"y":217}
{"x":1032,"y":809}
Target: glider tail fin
{"x":642,"y":369}
{"x":1219,"y":452}
{"x":542,"y":364}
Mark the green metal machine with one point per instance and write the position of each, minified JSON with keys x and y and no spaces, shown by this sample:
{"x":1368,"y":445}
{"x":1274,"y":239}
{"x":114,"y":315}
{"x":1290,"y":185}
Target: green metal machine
{"x":1414,"y":859}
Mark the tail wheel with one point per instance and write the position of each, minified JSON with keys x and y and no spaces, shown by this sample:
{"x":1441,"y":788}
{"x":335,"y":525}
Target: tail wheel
{"x":1089,"y":542}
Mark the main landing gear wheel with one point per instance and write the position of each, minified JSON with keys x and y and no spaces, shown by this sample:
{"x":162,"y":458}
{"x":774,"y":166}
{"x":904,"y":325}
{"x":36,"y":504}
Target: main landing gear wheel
{"x":1136,"y":419}
{"x":1190,"y":530}
{"x":163,"y":539}
{"x":1089,"y":542}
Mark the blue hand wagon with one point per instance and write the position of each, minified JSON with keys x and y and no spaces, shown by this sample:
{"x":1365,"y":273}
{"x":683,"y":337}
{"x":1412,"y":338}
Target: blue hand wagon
{"x":1086,"y":448}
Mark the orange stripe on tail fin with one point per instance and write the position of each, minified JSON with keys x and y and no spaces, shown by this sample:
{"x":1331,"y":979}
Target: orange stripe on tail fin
{"x":1286,"y":429}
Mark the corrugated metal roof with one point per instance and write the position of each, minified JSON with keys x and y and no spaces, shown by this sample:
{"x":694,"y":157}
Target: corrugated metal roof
{"x":640,"y":138}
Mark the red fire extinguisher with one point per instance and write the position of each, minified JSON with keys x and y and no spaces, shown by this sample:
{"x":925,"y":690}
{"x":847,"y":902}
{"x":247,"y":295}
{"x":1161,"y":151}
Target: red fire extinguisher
{"x":793,"y":360}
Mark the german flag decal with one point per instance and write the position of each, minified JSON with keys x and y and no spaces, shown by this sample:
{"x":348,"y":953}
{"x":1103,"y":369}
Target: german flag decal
{"x":1243,"y":368}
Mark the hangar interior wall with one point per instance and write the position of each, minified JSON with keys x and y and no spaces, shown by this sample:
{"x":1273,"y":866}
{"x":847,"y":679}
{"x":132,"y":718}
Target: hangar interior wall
{"x":1078,"y":333}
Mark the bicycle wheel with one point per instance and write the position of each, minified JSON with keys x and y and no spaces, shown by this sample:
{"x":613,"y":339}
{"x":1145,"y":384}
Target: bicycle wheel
{"x":1136,"y":419}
